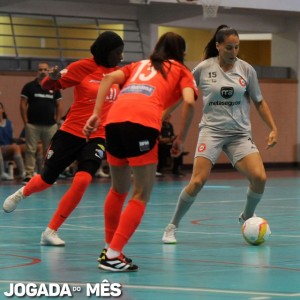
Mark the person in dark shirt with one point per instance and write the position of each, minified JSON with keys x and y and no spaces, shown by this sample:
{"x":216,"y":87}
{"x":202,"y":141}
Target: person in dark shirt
{"x":166,"y":139}
{"x":40,"y":111}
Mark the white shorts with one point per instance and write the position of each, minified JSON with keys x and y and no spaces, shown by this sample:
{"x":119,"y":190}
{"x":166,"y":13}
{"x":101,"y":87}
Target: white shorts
{"x":235,"y":146}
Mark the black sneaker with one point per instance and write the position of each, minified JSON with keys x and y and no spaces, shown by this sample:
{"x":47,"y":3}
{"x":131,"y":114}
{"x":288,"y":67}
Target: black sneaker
{"x":117,"y":264}
{"x":26,"y":180}
{"x":178,"y":174}
{"x":128,"y":260}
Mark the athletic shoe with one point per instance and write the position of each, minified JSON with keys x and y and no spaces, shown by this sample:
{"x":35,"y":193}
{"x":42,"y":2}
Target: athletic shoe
{"x":103,"y":253}
{"x":50,"y":238}
{"x":169,"y":235}
{"x":12,"y":201}
{"x":101,"y":174}
{"x":6,"y":177}
{"x":242,"y":219}
{"x":26,"y":180}
{"x":178,"y":174}
{"x":159,"y":174}
{"x":117,"y":264}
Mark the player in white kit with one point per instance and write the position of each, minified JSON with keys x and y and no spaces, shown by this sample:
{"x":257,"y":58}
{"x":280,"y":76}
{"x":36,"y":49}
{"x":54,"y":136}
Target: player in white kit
{"x":228,"y":85}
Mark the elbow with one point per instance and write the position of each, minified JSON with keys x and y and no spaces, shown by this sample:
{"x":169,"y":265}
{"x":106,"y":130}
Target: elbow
{"x":49,"y":84}
{"x":190,"y":106}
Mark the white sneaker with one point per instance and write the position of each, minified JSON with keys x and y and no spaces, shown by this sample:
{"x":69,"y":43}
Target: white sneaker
{"x":241,"y":218}
{"x":12,"y":201}
{"x":50,"y":238}
{"x":169,"y":235}
{"x":6,"y":177}
{"x":101,"y":174}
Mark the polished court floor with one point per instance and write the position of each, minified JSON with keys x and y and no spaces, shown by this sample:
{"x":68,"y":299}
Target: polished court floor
{"x":211,"y":260}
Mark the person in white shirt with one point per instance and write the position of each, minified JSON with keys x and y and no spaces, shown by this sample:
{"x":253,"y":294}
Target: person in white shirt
{"x":228,"y":85}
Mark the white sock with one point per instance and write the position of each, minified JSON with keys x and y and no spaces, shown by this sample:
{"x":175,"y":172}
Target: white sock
{"x":183,"y":205}
{"x":251,"y":203}
{"x":112,"y":253}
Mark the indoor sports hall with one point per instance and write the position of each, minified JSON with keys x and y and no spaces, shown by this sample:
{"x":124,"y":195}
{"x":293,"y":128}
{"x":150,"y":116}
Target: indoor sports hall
{"x":211,"y":260}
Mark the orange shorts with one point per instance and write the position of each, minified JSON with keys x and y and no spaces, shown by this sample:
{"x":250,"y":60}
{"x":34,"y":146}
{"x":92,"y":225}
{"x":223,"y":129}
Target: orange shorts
{"x":150,"y":157}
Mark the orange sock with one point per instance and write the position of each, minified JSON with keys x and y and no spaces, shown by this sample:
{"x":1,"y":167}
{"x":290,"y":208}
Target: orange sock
{"x":70,"y":199}
{"x":112,"y":211}
{"x":129,"y":221}
{"x":35,"y":185}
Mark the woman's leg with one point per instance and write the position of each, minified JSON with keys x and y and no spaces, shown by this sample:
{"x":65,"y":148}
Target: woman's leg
{"x":201,"y":170}
{"x":252,"y":167}
{"x":121,"y":181}
{"x":143,"y":180}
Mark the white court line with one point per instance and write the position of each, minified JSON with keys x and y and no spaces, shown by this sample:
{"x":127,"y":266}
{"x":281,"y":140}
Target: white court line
{"x":70,"y":227}
{"x":170,"y":288}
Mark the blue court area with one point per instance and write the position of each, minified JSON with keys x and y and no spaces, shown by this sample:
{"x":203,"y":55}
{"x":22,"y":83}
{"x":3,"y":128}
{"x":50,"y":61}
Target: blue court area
{"x":211,"y":260}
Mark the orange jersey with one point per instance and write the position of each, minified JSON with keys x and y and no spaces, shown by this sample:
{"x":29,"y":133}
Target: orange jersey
{"x":85,"y":76}
{"x":146,"y":93}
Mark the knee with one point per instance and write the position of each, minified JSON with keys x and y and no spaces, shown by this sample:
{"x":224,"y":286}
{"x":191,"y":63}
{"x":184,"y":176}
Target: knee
{"x":141,"y":195}
{"x":82,"y":180}
{"x":259,"y":181}
{"x":16,"y":149}
{"x":195,"y":185}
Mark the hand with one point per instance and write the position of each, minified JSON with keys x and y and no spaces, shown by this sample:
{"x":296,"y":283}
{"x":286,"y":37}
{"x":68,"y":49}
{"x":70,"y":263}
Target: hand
{"x":177,"y":148}
{"x":272,"y":139}
{"x":54,"y":73}
{"x":91,"y":125}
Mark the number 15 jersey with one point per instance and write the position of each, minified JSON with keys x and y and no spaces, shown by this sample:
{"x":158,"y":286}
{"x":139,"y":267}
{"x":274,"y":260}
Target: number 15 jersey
{"x":226,"y":95}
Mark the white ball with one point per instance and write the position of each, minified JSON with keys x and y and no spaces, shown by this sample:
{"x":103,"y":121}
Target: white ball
{"x":256,"y":230}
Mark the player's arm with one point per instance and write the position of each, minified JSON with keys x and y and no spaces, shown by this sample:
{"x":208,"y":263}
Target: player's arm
{"x":171,"y":109}
{"x":23,"y":109}
{"x":58,"y":112}
{"x":265,"y":113}
{"x":116,"y":77}
{"x":186,"y":120}
{"x":51,"y":81}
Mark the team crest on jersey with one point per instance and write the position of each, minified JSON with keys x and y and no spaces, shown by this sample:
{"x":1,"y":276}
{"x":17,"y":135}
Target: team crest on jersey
{"x":50,"y":154}
{"x":201,"y":147}
{"x":227,"y":92}
{"x":242,"y":82}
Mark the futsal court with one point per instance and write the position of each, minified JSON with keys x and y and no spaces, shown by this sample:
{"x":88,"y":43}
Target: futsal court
{"x":211,"y":261}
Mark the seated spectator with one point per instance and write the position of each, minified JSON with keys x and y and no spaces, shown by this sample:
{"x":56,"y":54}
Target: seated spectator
{"x":4,"y":175}
{"x":9,"y":149}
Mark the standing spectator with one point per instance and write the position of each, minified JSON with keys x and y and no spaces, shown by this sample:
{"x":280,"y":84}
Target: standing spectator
{"x":40,"y":112}
{"x":9,"y":148}
{"x":39,"y":152}
{"x":132,"y":127}
{"x":228,"y":85}
{"x":69,"y":144}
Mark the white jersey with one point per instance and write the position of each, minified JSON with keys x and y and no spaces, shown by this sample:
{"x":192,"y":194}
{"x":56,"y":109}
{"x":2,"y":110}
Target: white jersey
{"x":226,"y":95}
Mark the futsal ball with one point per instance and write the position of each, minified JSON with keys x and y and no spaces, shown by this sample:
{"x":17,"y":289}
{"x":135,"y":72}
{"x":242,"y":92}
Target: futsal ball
{"x":256,"y":230}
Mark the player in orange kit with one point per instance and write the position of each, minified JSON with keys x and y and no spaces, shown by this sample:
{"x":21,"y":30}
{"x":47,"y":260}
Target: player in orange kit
{"x":69,"y":143}
{"x":151,"y":88}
